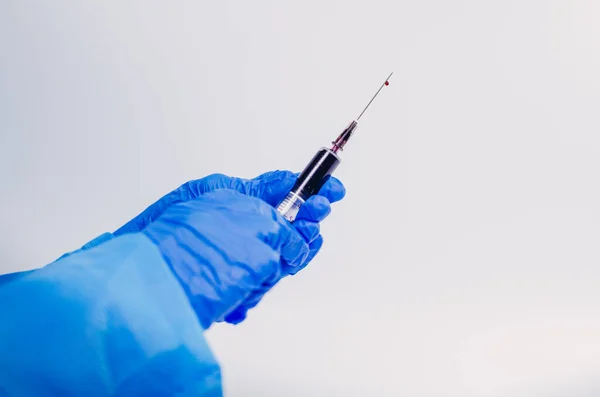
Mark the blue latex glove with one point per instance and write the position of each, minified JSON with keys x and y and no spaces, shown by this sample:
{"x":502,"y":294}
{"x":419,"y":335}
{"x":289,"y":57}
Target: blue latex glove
{"x":214,"y":233}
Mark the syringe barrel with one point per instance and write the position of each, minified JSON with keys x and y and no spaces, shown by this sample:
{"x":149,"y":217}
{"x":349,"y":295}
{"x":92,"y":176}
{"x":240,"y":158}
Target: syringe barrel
{"x":310,"y":181}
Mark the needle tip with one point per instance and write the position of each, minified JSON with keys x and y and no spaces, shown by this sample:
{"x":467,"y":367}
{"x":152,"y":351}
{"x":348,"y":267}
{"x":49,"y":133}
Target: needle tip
{"x":385,"y":83}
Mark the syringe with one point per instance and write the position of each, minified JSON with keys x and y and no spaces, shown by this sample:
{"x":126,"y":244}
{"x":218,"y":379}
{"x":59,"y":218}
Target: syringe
{"x":320,"y":168}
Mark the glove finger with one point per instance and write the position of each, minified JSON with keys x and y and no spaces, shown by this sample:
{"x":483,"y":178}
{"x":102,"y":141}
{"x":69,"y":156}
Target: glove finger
{"x":315,"y":209}
{"x":294,"y":249}
{"x":308,"y":229}
{"x":241,"y":312}
{"x":315,"y":247}
{"x":236,"y":316}
{"x":283,"y":238}
{"x":273,"y":186}
{"x":333,"y":190}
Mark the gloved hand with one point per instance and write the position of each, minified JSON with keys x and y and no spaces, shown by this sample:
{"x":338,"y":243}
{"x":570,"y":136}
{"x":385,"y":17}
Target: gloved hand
{"x":225,"y":242}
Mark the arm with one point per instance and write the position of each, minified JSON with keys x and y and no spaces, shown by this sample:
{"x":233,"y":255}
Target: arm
{"x":124,"y":315}
{"x":6,"y":278}
{"x":104,"y":321}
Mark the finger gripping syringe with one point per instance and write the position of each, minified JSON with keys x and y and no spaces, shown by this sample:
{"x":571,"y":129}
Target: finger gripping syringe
{"x":320,"y":168}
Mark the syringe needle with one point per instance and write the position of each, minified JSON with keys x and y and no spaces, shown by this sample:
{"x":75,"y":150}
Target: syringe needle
{"x":343,"y":138}
{"x":386,"y":82}
{"x":318,"y":171}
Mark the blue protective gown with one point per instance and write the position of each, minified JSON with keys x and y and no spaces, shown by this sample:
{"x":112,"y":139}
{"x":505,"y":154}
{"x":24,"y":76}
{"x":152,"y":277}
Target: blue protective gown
{"x":124,"y":319}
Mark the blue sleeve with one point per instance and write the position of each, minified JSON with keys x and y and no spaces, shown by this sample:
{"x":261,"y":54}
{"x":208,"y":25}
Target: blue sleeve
{"x":110,"y":320}
{"x":5,"y":278}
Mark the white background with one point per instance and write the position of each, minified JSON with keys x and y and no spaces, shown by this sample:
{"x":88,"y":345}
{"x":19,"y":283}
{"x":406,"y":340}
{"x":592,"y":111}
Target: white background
{"x":464,"y":260}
